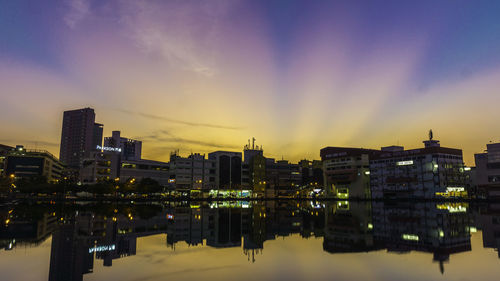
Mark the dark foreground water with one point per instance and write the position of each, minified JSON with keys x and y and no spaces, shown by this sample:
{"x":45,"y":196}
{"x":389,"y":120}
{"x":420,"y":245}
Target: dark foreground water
{"x":272,"y":240}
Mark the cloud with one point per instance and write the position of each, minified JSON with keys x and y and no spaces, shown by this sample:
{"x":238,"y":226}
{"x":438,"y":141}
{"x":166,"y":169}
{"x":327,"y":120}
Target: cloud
{"x":78,"y":10}
{"x":167,"y":137}
{"x":194,"y":124}
{"x":181,"y":32}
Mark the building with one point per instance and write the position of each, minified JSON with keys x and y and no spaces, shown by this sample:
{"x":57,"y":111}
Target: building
{"x":312,"y":173}
{"x":347,"y":172}
{"x":4,"y":150}
{"x":253,"y":167}
{"x":227,"y":169}
{"x":130,"y":149}
{"x":80,"y":136}
{"x":100,"y":166}
{"x":25,"y":163}
{"x":141,"y":169}
{"x":192,"y":173}
{"x":429,"y":172}
{"x":487,"y":171}
{"x":282,"y":178}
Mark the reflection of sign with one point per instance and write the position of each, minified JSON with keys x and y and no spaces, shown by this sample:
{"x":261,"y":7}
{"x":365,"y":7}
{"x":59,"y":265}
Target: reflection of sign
{"x":102,"y":248}
{"x":405,"y":163}
{"x":457,"y":189}
{"x":107,"y":148}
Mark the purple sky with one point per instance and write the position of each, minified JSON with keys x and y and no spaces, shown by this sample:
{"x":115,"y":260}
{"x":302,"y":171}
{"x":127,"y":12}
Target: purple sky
{"x":297,"y":75}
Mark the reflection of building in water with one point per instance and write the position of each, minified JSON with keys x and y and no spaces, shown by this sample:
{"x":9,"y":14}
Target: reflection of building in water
{"x":85,"y":236}
{"x":69,"y":255}
{"x":438,"y":228}
{"x":488,"y":220}
{"x":348,"y":227}
{"x":18,"y":231}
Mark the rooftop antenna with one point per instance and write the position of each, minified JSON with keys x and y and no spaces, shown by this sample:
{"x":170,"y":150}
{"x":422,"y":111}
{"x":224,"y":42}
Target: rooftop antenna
{"x":253,"y":142}
{"x":431,"y":135}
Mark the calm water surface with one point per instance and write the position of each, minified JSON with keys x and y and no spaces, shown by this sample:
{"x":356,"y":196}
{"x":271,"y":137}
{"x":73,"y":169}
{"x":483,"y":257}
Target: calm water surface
{"x":251,"y":241}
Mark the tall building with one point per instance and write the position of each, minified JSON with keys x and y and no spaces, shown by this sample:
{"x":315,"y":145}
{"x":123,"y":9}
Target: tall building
{"x":130,"y":149}
{"x":98,"y":133}
{"x":77,"y":137}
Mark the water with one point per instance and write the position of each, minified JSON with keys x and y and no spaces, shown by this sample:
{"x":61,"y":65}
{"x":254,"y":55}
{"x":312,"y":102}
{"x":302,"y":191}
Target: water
{"x":273,"y":240}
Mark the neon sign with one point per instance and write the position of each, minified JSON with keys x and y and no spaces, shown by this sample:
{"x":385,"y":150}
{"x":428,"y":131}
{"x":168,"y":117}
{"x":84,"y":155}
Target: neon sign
{"x":107,"y":148}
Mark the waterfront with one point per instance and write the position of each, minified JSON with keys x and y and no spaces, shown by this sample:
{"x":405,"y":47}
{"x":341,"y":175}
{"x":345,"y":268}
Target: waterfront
{"x":272,"y":240}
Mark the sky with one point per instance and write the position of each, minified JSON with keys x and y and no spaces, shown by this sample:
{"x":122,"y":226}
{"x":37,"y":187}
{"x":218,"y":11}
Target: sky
{"x":200,"y":76}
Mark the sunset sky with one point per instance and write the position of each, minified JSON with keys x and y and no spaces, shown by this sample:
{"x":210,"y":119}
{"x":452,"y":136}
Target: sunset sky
{"x":298,"y":75}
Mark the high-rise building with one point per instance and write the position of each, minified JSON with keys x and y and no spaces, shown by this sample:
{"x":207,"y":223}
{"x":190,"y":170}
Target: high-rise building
{"x":77,"y":137}
{"x":130,"y":149}
{"x":98,"y":132}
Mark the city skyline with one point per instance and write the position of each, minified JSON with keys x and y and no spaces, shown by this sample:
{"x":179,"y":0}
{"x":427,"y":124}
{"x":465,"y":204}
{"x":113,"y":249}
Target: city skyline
{"x":297,"y":75}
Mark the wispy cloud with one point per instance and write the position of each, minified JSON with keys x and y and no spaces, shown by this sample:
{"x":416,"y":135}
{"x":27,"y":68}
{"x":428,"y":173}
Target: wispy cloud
{"x":181,"y":32}
{"x":194,"y":124}
{"x":78,"y":10}
{"x":164,"y":136}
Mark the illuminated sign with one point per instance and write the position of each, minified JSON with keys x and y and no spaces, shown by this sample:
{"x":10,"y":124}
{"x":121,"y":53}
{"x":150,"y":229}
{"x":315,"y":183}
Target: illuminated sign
{"x":405,"y":163}
{"x":107,"y":148}
{"x":411,"y":237}
{"x":170,"y":217}
{"x":102,"y":248}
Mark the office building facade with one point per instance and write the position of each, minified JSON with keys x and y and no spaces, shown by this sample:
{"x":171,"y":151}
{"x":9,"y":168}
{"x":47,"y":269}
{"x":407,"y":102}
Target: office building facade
{"x":129,"y":149}
{"x":227,"y":169}
{"x":429,"y":172}
{"x":25,"y":163}
{"x":77,"y":137}
{"x":347,"y":172}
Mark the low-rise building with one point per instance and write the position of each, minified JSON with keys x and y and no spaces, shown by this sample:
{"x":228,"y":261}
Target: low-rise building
{"x":347,"y":172}
{"x":429,"y":172}
{"x":4,"y":150}
{"x":100,"y":166}
{"x":23,"y":163}
{"x":194,"y":172}
{"x":141,"y":169}
{"x":227,"y":169}
{"x":488,"y":171}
